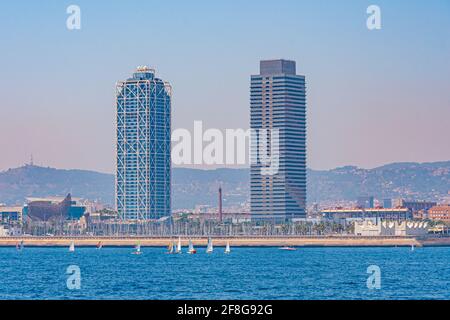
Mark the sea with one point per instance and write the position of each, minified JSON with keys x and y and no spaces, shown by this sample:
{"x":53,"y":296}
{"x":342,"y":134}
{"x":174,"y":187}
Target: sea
{"x":313,"y":273}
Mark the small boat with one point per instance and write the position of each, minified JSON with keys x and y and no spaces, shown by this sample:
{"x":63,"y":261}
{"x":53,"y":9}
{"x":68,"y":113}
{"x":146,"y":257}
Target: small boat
{"x":227,"y":248}
{"x":191,"y":249}
{"x":209,"y":248}
{"x":72,"y":247}
{"x":412,"y":247}
{"x":138,"y":249}
{"x":178,"y":249}
{"x":287,"y":248}
{"x":99,"y":245}
{"x":19,"y":246}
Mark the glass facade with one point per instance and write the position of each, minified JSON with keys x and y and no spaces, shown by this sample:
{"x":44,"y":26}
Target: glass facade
{"x":278,"y":101}
{"x":143,"y":173}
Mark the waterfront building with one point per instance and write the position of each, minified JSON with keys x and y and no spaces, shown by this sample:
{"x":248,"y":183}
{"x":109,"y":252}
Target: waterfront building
{"x":278,"y":103}
{"x":361,"y":213}
{"x":143,"y":174}
{"x":415,"y":205}
{"x":54,"y":208}
{"x":8,"y":230}
{"x":420,"y":215}
{"x":10,"y":214}
{"x":440,"y":213}
{"x":369,"y":228}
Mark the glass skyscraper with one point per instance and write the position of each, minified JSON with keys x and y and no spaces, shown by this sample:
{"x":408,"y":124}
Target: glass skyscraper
{"x":278,"y":103}
{"x":143,"y":147}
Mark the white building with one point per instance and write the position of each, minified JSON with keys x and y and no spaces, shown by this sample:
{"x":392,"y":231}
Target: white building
{"x":9,"y":231}
{"x":390,"y":228}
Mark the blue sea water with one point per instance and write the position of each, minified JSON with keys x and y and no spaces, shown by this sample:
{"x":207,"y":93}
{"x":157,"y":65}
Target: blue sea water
{"x":247,"y":273}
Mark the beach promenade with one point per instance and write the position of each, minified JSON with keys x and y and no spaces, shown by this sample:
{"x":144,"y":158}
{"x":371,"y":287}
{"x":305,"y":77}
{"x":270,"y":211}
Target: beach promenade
{"x":247,"y":241}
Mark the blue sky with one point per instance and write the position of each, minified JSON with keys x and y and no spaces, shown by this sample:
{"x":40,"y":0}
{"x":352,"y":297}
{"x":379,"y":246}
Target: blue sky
{"x":373,"y":96}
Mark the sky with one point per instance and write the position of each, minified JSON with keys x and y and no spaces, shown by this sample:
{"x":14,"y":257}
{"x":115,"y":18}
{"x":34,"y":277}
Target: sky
{"x":373,"y":96}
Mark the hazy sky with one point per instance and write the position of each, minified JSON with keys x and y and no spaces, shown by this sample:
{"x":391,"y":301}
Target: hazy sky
{"x":374,"y":97}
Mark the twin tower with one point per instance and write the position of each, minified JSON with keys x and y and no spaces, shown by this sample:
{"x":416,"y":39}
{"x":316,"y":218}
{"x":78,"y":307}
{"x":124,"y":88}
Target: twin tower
{"x":143,"y":176}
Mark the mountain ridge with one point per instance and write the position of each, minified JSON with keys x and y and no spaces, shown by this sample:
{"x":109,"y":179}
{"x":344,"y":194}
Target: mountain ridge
{"x":191,"y":187}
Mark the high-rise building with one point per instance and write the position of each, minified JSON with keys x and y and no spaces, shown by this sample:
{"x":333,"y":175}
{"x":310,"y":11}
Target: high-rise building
{"x":387,"y":203}
{"x":143,"y":174}
{"x":365,"y":202}
{"x":278,"y":103}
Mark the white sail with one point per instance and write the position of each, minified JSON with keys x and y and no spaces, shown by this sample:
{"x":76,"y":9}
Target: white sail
{"x":137,"y":249}
{"x":72,"y":247}
{"x":191,"y":247}
{"x":178,"y":250}
{"x":227,"y":248}
{"x":209,"y":249}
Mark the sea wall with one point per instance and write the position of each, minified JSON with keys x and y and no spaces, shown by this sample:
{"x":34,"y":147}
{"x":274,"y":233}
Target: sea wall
{"x":335,"y":241}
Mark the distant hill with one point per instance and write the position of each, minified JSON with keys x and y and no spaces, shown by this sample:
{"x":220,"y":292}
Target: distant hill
{"x":190,"y":186}
{"x":33,"y":181}
{"x":428,"y":181}
{"x":419,"y":181}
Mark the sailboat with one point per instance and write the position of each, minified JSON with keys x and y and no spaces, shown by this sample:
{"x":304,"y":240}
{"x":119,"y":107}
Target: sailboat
{"x":171,"y":248}
{"x":287,"y":248}
{"x":72,"y":247}
{"x":99,"y":245}
{"x":178,"y":249}
{"x":227,"y":248}
{"x":209,"y":249}
{"x":191,"y":249}
{"x":19,"y":246}
{"x":138,"y":249}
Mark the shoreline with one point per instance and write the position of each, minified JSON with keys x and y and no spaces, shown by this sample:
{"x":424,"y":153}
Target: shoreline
{"x":325,"y":241}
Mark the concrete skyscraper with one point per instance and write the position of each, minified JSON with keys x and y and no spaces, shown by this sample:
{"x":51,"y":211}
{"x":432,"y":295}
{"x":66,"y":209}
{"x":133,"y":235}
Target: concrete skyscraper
{"x":143,"y":176}
{"x":278,"y":103}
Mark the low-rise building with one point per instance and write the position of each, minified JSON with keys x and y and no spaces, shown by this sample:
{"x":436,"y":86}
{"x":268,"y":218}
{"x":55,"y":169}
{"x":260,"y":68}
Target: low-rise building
{"x":10,"y":231}
{"x":10,"y":214}
{"x":415,"y":205}
{"x":420,"y":215}
{"x":440,"y":213}
{"x":3,"y":231}
{"x":390,"y":228}
{"x":378,"y":213}
{"x":411,"y":228}
{"x":43,"y":209}
{"x":103,"y":215}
